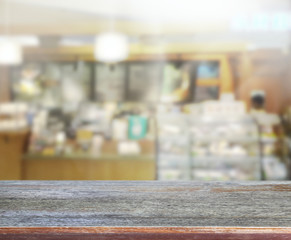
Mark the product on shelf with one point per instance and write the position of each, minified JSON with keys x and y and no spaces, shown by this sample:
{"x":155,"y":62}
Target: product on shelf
{"x":216,"y":140}
{"x":13,"y":116}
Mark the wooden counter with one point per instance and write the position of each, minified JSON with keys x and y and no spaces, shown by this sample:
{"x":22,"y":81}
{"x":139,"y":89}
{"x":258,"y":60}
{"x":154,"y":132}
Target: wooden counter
{"x":104,"y":167}
{"x":12,"y":144}
{"x":145,"y":210}
{"x":109,"y":165}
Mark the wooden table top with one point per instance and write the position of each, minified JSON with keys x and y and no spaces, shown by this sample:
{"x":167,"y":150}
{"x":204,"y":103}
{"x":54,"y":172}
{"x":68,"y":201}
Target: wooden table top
{"x":144,"y":210}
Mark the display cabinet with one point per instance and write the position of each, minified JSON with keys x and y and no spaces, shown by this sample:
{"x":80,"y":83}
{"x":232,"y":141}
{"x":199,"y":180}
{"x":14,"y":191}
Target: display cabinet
{"x":173,"y":147}
{"x":224,"y":148}
{"x":208,"y":148}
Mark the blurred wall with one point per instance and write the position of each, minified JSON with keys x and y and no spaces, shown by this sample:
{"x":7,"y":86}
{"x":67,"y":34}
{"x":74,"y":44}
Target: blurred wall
{"x":267,"y":71}
{"x":4,"y":84}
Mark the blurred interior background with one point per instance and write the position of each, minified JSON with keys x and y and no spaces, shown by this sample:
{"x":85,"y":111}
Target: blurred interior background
{"x":145,"y":89}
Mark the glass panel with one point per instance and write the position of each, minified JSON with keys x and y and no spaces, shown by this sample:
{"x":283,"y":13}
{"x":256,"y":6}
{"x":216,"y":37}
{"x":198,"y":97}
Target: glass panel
{"x":208,"y":70}
{"x":204,"y":93}
{"x":110,"y":82}
{"x":144,"y":81}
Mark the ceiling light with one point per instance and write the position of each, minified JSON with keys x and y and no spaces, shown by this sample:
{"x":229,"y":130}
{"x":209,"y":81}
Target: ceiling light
{"x":71,"y":42}
{"x":28,"y":40}
{"x":23,"y":40}
{"x":10,"y":52}
{"x":111,"y":47}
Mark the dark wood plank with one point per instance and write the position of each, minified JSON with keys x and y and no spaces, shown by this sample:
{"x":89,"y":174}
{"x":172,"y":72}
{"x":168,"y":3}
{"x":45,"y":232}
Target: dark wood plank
{"x":142,"y":233}
{"x":144,"y":210}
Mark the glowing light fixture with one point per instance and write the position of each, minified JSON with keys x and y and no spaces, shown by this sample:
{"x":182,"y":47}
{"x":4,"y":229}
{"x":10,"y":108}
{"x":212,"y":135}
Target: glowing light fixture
{"x":28,"y":40}
{"x":10,"y":52}
{"x":111,"y":47}
{"x":23,"y":40}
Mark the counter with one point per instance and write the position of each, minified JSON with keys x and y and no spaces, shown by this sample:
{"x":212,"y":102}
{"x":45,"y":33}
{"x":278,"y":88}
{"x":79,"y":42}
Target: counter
{"x":145,"y":210}
{"x":12,"y":147}
{"x":86,"y":167}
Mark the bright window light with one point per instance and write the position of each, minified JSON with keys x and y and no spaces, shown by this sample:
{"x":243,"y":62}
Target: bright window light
{"x":10,"y":52}
{"x":111,"y":47}
{"x":71,"y":42}
{"x":28,"y":40}
{"x":23,"y":40}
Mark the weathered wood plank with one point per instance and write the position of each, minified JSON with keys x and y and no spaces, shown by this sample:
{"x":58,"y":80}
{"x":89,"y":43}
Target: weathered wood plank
{"x":142,"y":233}
{"x":144,"y":210}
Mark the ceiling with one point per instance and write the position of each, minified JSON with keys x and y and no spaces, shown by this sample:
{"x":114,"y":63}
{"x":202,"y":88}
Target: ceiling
{"x":151,"y":21}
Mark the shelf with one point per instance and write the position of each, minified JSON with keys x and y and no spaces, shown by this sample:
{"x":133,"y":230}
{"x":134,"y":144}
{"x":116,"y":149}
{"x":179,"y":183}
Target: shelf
{"x":179,"y":137}
{"x":172,"y":167}
{"x":173,"y":156}
{"x":268,"y":140}
{"x":229,"y":139}
{"x":225,"y":159}
{"x":81,"y":157}
{"x":206,"y":131}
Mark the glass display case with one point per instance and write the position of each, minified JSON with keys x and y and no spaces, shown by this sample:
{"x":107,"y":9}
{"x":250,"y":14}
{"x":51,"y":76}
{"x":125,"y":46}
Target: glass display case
{"x":173,"y":147}
{"x":224,"y":148}
{"x":274,"y":146}
{"x":208,"y":147}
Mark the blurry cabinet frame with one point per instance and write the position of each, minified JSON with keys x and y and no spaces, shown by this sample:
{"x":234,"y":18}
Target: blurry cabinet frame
{"x":224,"y":80}
{"x":12,"y":147}
{"x":210,"y":75}
{"x":110,"y":82}
{"x":51,"y":83}
{"x":5,"y":94}
{"x":144,"y":81}
{"x":222,"y":83}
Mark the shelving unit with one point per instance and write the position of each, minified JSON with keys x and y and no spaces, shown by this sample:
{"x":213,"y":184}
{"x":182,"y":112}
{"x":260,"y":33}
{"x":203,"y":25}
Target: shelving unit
{"x":274,"y":160}
{"x":173,"y":147}
{"x":224,"y":148}
{"x":203,"y":148}
{"x":274,"y":146}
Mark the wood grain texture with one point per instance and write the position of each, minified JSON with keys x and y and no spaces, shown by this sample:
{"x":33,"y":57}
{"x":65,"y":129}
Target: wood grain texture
{"x":144,"y":210}
{"x":12,"y":146}
{"x":143,"y":233}
{"x":59,"y":168}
